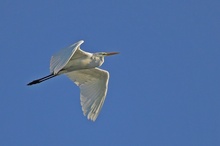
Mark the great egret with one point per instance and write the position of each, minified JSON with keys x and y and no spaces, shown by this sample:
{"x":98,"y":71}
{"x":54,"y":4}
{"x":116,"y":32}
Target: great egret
{"x":82,"y":68}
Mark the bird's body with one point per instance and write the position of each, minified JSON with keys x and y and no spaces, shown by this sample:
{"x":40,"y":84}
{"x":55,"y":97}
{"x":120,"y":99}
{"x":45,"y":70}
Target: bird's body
{"x":82,"y":68}
{"x":84,"y":62}
{"x":73,"y":58}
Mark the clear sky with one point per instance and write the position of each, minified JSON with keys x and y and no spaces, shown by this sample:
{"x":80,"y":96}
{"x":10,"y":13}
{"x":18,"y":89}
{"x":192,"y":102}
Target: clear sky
{"x":164,"y":87}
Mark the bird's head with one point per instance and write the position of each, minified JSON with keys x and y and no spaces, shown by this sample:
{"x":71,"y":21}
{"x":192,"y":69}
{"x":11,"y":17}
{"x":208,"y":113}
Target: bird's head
{"x":103,"y":54}
{"x":99,"y":57}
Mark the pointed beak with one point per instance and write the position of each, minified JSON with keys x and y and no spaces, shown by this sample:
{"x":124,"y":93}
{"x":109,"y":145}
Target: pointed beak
{"x":111,"y":53}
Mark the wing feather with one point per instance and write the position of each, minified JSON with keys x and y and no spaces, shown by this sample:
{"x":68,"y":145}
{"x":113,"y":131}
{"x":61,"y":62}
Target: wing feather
{"x":61,"y":58}
{"x":93,"y":84}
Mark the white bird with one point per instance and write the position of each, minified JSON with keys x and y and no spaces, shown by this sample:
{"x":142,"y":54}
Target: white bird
{"x":82,"y":68}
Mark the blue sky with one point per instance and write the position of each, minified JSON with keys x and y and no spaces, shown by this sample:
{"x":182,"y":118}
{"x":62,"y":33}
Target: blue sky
{"x":164,"y":84}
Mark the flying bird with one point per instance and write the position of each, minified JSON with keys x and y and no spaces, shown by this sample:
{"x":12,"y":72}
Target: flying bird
{"x":82,"y":68}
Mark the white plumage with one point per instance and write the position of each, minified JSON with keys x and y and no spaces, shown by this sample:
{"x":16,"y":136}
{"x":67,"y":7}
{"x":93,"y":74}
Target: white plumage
{"x":82,"y":68}
{"x":93,"y":88}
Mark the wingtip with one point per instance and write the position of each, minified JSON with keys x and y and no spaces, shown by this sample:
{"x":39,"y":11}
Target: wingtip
{"x":81,"y":41}
{"x":91,"y":119}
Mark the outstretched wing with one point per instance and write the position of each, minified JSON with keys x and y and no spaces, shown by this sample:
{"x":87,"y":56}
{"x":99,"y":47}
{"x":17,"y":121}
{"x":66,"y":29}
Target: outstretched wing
{"x":60,"y":59}
{"x":93,"y":85}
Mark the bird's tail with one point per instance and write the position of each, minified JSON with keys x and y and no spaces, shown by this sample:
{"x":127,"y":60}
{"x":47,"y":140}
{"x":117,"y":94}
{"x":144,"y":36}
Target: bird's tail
{"x":41,"y":79}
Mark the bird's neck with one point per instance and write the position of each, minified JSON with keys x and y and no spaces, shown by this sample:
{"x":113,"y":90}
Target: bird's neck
{"x":101,"y":59}
{"x":98,"y":60}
